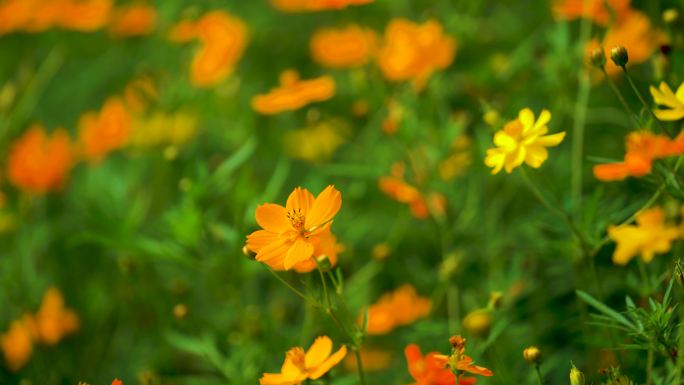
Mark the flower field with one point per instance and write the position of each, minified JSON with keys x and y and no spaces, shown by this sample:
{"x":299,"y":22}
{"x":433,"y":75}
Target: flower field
{"x":341,"y":192}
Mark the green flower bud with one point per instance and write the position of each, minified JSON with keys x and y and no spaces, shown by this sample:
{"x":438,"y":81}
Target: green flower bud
{"x":598,"y":58}
{"x":619,"y":56}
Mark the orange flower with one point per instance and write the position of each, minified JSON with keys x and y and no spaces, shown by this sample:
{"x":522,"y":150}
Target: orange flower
{"x":17,"y":343}
{"x":85,"y":15}
{"x":459,"y":362}
{"x":39,"y":15}
{"x":400,"y":307}
{"x":594,"y":10}
{"x":429,"y":369}
{"x":300,"y":366}
{"x":294,"y":93}
{"x":396,"y":188}
{"x":643,"y":148}
{"x":292,"y":234}
{"x":635,"y":33}
{"x":53,"y":321}
{"x":117,"y":382}
{"x":137,"y":19}
{"x":103,"y":132}
{"x":347,"y":47}
{"x":414,"y":51}
{"x":223,"y":39}
{"x":314,"y":5}
{"x":38,"y":163}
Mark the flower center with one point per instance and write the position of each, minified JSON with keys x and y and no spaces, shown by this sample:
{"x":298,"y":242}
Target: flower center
{"x":296,"y":218}
{"x":297,"y":357}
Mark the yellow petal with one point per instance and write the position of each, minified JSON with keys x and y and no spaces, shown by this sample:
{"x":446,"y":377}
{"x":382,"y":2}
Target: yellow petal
{"x":505,"y":141}
{"x":318,"y":352}
{"x":669,"y":115}
{"x":329,"y":363}
{"x":273,"y":218}
{"x":324,"y":208}
{"x":680,"y":93}
{"x":299,"y":251}
{"x":550,"y":140}
{"x":495,"y":158}
{"x":536,"y":155}
{"x":526,"y":117}
{"x":543,"y":120}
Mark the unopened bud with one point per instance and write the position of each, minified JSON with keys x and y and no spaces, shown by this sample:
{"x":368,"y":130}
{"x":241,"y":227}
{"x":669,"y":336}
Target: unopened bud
{"x":679,"y":273}
{"x":598,"y":58}
{"x":619,"y":56}
{"x":532,"y":355}
{"x":670,"y":16}
{"x":180,"y":311}
{"x":478,"y":322}
{"x":576,"y":377}
{"x":495,"y":299}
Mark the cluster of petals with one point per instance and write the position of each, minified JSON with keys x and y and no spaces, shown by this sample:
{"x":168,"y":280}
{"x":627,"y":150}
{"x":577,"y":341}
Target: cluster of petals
{"x":674,"y":101}
{"x":412,"y":52}
{"x":48,"y":326}
{"x":294,"y":93}
{"x":101,"y":132}
{"x":643,"y":147}
{"x":315,"y":5}
{"x":650,"y":235}
{"x":522,"y":140}
{"x":398,"y":189}
{"x":429,"y":369}
{"x":40,"y":15}
{"x":222,"y":37}
{"x":300,"y":366}
{"x":293,"y":235}
{"x":400,"y":307}
{"x":348,"y":47}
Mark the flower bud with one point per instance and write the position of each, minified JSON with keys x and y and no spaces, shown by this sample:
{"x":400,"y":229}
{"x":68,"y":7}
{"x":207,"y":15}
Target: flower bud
{"x":679,"y":273}
{"x":670,"y":16}
{"x":532,"y":355}
{"x":478,"y":322}
{"x":619,"y":56}
{"x":576,"y":377}
{"x":598,"y":58}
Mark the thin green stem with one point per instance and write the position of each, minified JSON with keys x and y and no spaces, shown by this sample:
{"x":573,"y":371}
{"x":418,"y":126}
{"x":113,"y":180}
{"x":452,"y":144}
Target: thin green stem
{"x":649,"y":366}
{"x":645,"y":281}
{"x":643,"y":102}
{"x":308,"y":299}
{"x":359,"y":366}
{"x":621,"y":98}
{"x":325,"y":285}
{"x":537,"y":369}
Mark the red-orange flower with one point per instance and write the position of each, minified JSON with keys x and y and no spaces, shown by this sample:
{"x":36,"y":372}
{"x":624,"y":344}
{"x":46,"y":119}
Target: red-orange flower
{"x":104,"y":131}
{"x":314,"y":5}
{"x":401,"y":307}
{"x":38,"y":163}
{"x":430,"y":369}
{"x":136,"y":19}
{"x":294,"y":93}
{"x":459,"y":362}
{"x":599,"y":11}
{"x":292,"y":233}
{"x":347,"y":47}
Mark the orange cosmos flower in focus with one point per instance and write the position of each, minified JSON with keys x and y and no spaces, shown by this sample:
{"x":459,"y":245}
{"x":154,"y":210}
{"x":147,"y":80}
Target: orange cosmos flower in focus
{"x":291,"y":234}
{"x":347,"y":47}
{"x":398,"y":308}
{"x":414,"y":51}
{"x":429,"y":369}
{"x":599,"y":11}
{"x":223,"y":39}
{"x":294,"y":93}
{"x":635,"y":33}
{"x":314,"y":5}
{"x":137,"y":19}
{"x":105,"y":131}
{"x":17,"y":343}
{"x":38,"y":163}
{"x":300,"y":366}
{"x":643,"y":148}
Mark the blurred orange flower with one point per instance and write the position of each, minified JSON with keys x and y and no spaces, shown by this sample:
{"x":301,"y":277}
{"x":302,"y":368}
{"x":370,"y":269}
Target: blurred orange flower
{"x":104,"y":131}
{"x":643,"y":148}
{"x":348,"y":47}
{"x":314,"y":5}
{"x":39,"y":15}
{"x":85,"y":15}
{"x":300,"y":366}
{"x":401,"y":307}
{"x":414,"y":51}
{"x":136,"y":19}
{"x":292,"y":234}
{"x":294,"y":93}
{"x":38,"y":163}
{"x":17,"y":343}
{"x":222,"y":38}
{"x":599,"y":11}
{"x":373,"y":360}
{"x":650,"y":236}
{"x":635,"y":33}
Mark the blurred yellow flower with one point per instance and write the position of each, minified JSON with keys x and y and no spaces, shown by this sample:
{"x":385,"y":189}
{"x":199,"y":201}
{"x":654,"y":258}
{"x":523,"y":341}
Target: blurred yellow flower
{"x":135,"y":19}
{"x":294,"y":93}
{"x":310,"y":365}
{"x":599,"y":11}
{"x":523,"y":140}
{"x":105,"y":131}
{"x":38,"y":163}
{"x":650,"y":235}
{"x":292,"y":233}
{"x":139,"y":93}
{"x":401,"y":307}
{"x":17,"y":343}
{"x":314,"y":5}
{"x":315,"y":143}
{"x":414,"y":51}
{"x":348,"y":47}
{"x":161,"y":128}
{"x":674,"y":101}
{"x":458,"y":161}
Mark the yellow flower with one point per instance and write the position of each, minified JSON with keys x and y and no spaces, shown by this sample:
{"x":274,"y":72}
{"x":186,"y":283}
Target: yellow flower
{"x":649,"y":236}
{"x":300,"y":366}
{"x":316,"y":143}
{"x":523,"y":140}
{"x":665,"y":97}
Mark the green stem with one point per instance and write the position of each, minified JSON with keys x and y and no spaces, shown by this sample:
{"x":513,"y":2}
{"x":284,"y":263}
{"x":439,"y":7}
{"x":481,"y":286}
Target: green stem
{"x":621,"y":98}
{"x":649,"y":366}
{"x":308,"y":299}
{"x":645,"y":282}
{"x":539,"y":375}
{"x":325,"y":285}
{"x":643,"y":102}
{"x":359,"y":366}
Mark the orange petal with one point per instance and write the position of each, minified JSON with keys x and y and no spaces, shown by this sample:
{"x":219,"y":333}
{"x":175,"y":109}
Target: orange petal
{"x":260,"y":239}
{"x":611,"y":171}
{"x":318,"y":352}
{"x":300,"y":250}
{"x":275,"y":250}
{"x":329,"y":363}
{"x":273,"y":218}
{"x":324,"y":208}
{"x":300,"y":199}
